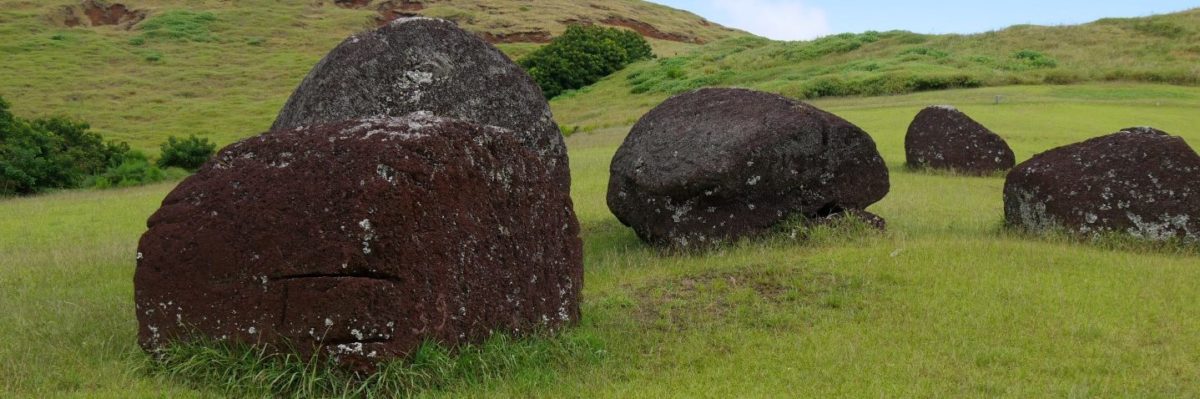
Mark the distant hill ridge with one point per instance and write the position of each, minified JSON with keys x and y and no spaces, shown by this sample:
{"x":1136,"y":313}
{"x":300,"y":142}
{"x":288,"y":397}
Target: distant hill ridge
{"x":1155,"y":49}
{"x":140,"y":70}
{"x":537,"y":22}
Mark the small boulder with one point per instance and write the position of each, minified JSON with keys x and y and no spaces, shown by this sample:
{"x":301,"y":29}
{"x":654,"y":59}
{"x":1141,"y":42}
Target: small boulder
{"x":942,"y":137}
{"x":424,"y":64}
{"x":715,"y":165}
{"x":361,"y":240}
{"x":1139,"y":181}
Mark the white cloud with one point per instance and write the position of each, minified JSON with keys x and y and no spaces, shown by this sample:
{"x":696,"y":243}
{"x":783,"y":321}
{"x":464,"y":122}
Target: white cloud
{"x":775,"y":19}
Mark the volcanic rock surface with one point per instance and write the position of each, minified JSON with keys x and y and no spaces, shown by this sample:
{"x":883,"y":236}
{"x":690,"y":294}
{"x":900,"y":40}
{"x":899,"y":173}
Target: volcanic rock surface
{"x":423,"y":64}
{"x":364,"y":239}
{"x":942,"y":137}
{"x":714,"y":165}
{"x":1139,"y":181}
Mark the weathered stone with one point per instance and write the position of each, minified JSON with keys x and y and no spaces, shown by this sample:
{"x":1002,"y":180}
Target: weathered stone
{"x":364,"y":238}
{"x":1139,"y":181}
{"x":942,"y":137}
{"x":423,"y":64}
{"x":715,"y":165}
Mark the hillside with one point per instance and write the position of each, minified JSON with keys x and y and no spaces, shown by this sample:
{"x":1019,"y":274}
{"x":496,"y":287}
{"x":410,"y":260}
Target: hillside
{"x":145,"y":69}
{"x":1158,"y":49}
{"x":222,"y":69}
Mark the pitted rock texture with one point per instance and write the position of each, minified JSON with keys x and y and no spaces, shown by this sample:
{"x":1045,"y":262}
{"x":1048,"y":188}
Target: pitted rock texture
{"x":714,"y":165}
{"x":363,"y":239}
{"x":423,"y":64}
{"x":942,"y":137}
{"x":1139,"y":181}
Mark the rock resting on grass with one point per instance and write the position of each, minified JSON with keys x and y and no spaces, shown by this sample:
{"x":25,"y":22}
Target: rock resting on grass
{"x":423,"y":64}
{"x":1140,"y":181}
{"x":942,"y":137}
{"x":715,"y":165}
{"x":361,"y":240}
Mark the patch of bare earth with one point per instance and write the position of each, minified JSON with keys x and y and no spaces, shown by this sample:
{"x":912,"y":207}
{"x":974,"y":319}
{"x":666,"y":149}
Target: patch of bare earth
{"x":394,"y":9}
{"x":648,"y":30}
{"x":352,"y":3}
{"x":97,"y":13}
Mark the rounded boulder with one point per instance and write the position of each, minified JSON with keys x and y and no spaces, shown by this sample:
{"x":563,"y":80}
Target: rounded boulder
{"x":942,"y":137}
{"x":716,"y":165}
{"x":424,"y":64}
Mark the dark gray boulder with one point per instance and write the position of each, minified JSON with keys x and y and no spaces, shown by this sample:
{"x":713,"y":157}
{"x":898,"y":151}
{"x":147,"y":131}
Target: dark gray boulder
{"x":361,"y":239}
{"x":1139,"y":181}
{"x":942,"y":137}
{"x":715,"y":165}
{"x":423,"y":64}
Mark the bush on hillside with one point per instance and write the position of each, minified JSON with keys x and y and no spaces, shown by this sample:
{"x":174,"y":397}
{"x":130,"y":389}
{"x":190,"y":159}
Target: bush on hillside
{"x":582,"y":56}
{"x":1034,"y":60}
{"x":135,"y":170}
{"x":50,"y":153}
{"x":189,"y":153}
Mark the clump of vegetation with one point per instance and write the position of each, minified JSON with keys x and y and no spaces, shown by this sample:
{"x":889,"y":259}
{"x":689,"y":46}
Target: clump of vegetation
{"x":255,"y":372}
{"x":59,"y":153}
{"x":177,"y":25}
{"x":1034,"y":59}
{"x":836,"y":44}
{"x":189,"y":153}
{"x":50,"y":153}
{"x":135,"y":170}
{"x":582,"y":56}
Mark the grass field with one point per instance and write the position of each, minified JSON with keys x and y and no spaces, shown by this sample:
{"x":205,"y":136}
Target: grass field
{"x":946,"y":304}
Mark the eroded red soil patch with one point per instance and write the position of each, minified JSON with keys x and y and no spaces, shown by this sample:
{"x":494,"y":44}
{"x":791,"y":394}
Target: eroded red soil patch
{"x":98,"y":13}
{"x":538,"y":36}
{"x":648,"y":30}
{"x":394,"y":9}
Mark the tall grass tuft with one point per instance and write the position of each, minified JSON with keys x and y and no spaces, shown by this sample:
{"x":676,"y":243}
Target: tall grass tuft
{"x":255,"y":371}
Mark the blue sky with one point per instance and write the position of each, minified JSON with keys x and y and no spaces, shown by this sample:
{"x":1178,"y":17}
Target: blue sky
{"x":806,"y":19}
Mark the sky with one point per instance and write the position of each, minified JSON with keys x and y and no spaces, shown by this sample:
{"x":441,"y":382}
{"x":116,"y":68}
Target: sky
{"x":808,"y":19}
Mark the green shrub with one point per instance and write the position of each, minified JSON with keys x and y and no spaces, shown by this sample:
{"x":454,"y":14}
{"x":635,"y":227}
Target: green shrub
{"x":135,"y":170}
{"x":926,"y":51}
{"x":50,"y":153}
{"x":582,"y":56}
{"x":189,"y":153}
{"x":1029,"y":59}
{"x":178,"y":25}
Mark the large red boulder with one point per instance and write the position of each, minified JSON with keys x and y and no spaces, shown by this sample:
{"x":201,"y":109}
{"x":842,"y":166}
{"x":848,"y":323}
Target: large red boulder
{"x":1140,"y":181}
{"x":364,"y":239}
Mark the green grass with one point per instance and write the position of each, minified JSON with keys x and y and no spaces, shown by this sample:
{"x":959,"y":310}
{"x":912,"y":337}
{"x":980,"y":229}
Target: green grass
{"x":945,"y":304}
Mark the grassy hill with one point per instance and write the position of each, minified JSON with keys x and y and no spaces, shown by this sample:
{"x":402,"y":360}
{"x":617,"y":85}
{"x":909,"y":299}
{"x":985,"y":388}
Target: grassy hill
{"x":1158,"y":49}
{"x":223,"y":69}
